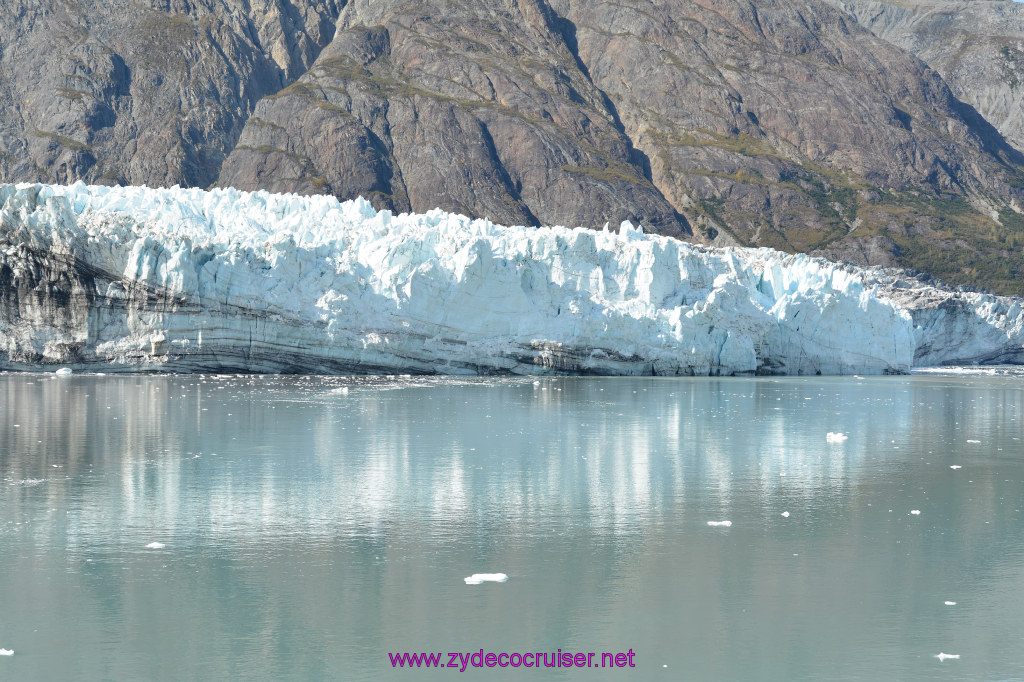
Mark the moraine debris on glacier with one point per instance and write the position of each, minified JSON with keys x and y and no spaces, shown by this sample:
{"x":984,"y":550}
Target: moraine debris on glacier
{"x":191,"y":280}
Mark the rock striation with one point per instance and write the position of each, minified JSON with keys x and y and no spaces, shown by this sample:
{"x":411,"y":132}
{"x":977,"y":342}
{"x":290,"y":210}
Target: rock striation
{"x":192,"y":280}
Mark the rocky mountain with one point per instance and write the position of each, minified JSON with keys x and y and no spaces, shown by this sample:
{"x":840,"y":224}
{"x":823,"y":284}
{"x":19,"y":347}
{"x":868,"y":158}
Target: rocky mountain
{"x":772,"y":122}
{"x":977,"y":46}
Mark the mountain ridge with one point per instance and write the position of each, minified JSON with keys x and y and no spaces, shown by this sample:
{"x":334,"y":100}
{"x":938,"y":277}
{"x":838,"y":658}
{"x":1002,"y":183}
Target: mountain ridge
{"x":754,"y":123}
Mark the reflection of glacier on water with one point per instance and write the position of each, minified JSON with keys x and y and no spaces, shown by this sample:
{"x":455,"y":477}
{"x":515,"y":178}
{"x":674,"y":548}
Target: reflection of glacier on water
{"x":456,"y":449}
{"x":346,"y":524}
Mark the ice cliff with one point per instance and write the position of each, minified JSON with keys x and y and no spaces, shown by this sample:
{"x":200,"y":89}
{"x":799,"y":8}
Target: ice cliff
{"x":193,"y":280}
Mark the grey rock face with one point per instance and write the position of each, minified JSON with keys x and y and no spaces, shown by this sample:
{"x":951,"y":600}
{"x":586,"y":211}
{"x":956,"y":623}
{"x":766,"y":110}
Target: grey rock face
{"x":143,"y":93}
{"x":978,"y":47}
{"x":478,"y":108}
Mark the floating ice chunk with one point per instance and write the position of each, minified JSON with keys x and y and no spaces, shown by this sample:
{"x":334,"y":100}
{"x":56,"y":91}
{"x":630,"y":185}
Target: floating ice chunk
{"x":726,"y":524}
{"x":342,"y":390}
{"x":835,"y":437}
{"x":942,"y":656}
{"x":955,"y":466}
{"x":478,"y":578}
{"x":915,"y":512}
{"x":973,"y":441}
{"x":155,"y":545}
{"x":950,"y":603}
{"x":785,"y":515}
{"x":63,"y":371}
{"x":6,"y":652}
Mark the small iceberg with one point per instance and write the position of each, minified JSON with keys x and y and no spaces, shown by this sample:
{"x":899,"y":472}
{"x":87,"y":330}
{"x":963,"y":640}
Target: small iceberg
{"x":973,"y":441}
{"x":155,"y":545}
{"x":6,"y":652}
{"x":725,"y":524}
{"x":835,"y":437}
{"x":941,"y":656}
{"x":785,"y":515}
{"x":950,"y":603}
{"x":915,"y":512}
{"x":478,"y":578}
{"x":955,"y":466}
{"x":63,"y":372}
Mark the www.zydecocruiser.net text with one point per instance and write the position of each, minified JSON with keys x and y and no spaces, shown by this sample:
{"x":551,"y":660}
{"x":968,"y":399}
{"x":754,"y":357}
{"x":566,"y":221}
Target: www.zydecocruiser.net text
{"x":462,"y":660}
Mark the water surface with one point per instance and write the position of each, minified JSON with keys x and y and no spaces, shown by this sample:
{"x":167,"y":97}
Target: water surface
{"x":312,"y":525}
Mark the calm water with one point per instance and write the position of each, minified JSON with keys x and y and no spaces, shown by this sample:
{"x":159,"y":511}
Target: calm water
{"x":309,"y":531}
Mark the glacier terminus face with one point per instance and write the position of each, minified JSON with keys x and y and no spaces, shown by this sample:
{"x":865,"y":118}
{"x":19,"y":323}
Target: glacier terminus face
{"x":143,"y":279}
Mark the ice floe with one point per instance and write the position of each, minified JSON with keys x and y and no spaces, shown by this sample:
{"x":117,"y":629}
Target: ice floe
{"x":724,"y":524}
{"x":835,"y":437}
{"x":155,"y":545}
{"x":943,"y":657}
{"x":478,"y":578}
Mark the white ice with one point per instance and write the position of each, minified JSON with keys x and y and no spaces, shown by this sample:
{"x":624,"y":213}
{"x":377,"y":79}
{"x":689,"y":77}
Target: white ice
{"x":155,"y":545}
{"x":6,"y":652}
{"x":63,"y":371}
{"x":478,"y":578}
{"x":915,"y":512}
{"x":943,"y":657}
{"x":950,"y":603}
{"x":835,"y":437}
{"x":283,"y":281}
{"x":720,"y":523}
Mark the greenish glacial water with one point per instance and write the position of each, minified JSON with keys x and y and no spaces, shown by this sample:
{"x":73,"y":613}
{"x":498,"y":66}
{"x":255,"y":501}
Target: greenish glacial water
{"x":309,"y":530}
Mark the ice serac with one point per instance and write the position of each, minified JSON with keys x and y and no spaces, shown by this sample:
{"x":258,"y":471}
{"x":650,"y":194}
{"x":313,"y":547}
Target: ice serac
{"x":954,"y":325}
{"x":222,"y":280}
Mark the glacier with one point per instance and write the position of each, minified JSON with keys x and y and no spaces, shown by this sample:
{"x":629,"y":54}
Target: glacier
{"x":190,"y":280}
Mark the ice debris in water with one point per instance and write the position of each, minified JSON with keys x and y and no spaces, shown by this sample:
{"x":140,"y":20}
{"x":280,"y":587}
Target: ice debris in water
{"x":6,"y":652}
{"x":835,"y":437}
{"x":63,"y":371}
{"x":942,"y":656}
{"x":973,"y":441}
{"x":915,"y":512}
{"x":155,"y":545}
{"x":950,"y":603}
{"x":955,"y":466}
{"x":478,"y":578}
{"x":785,"y":515}
{"x":720,"y":523}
